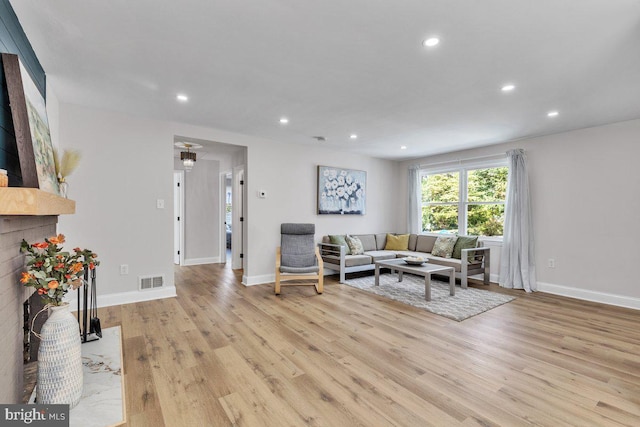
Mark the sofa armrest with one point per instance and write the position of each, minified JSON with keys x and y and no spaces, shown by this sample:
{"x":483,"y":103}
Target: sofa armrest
{"x":335,"y":250}
{"x":482,"y":251}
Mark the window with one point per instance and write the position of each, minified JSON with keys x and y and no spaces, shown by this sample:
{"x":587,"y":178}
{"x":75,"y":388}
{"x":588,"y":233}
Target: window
{"x":465,"y":200}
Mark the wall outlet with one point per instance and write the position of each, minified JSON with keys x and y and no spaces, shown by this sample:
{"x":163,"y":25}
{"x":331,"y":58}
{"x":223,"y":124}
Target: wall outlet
{"x":124,"y":269}
{"x":160,"y":204}
{"x":551,"y":263}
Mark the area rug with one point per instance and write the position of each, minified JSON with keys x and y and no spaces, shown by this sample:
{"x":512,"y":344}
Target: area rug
{"x":466,"y":303}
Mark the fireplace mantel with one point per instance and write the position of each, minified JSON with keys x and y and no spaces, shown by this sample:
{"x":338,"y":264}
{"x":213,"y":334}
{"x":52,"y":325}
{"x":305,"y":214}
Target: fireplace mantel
{"x":32,"y":201}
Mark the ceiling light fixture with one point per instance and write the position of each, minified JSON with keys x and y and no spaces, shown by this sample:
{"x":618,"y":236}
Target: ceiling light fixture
{"x":353,"y":136}
{"x":182,"y":98}
{"x":431,"y":42}
{"x":188,"y":157}
{"x":552,"y":114}
{"x":284,"y":120}
{"x":508,"y":88}
{"x":403,"y":147}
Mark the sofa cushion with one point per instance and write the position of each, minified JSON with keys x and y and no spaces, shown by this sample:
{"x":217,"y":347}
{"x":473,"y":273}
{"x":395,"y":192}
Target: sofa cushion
{"x":340,"y":240}
{"x":349,"y":260}
{"x":381,"y":241}
{"x":443,"y":247}
{"x":380,"y":255}
{"x":398,"y":242}
{"x":424,"y":243}
{"x":355,"y":245}
{"x":368,"y":241}
{"x":463,"y":242}
{"x":413,"y":239}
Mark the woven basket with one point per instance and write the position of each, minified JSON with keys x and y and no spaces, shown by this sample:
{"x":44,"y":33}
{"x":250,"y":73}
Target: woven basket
{"x":59,"y":359}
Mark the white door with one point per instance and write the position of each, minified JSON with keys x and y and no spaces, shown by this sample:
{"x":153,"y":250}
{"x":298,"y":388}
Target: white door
{"x":178,"y":200}
{"x":238,"y":228}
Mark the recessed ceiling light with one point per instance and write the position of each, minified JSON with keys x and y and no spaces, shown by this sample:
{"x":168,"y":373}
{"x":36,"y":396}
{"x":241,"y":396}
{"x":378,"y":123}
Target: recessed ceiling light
{"x":182,"y":98}
{"x":353,"y":136}
{"x":508,"y":87}
{"x":431,"y":42}
{"x":552,"y":114}
{"x":284,"y":120}
{"x":403,"y":147}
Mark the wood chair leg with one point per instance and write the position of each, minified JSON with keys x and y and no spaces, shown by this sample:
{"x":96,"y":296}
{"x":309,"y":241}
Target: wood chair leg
{"x":277,"y":285}
{"x":320,"y":286}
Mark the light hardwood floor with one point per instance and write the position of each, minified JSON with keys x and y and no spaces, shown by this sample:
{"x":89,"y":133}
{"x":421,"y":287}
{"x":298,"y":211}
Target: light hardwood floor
{"x":221,"y":354}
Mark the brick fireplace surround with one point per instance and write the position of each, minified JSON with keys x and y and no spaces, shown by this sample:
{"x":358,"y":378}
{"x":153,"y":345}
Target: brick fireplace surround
{"x":12,"y":296}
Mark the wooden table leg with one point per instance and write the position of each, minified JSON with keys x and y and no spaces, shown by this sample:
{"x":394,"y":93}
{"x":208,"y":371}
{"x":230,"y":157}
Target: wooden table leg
{"x":427,"y":286}
{"x":377,"y":275}
{"x":399,"y":276}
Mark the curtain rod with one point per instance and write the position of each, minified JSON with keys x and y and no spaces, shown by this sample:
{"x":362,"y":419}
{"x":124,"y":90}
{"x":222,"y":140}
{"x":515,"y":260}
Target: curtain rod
{"x":461,"y":161}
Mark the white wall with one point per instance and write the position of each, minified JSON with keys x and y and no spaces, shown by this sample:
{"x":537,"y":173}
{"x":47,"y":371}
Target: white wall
{"x":128,"y":163}
{"x":201,"y":212}
{"x":584,"y":189}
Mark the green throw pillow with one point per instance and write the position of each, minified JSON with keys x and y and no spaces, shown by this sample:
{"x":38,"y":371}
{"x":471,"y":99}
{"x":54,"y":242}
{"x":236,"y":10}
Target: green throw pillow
{"x":443,"y":247}
{"x":463,"y":242}
{"x":340,"y":240}
{"x":355,"y":245}
{"x":397,"y":243}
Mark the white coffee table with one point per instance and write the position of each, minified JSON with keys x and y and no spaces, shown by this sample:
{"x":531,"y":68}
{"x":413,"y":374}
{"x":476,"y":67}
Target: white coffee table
{"x":425,"y":270}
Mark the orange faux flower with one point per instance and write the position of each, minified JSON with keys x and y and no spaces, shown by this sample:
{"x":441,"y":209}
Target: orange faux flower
{"x":56,"y":240}
{"x":76,"y":268}
{"x":77,"y":249}
{"x":26,"y":277}
{"x":38,"y":264}
{"x":59,"y":266}
{"x":91,"y":266}
{"x":42,"y":291}
{"x":53,"y":284}
{"x":41,"y":245}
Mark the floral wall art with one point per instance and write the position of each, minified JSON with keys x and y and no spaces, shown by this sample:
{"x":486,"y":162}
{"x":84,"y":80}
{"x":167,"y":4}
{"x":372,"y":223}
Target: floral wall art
{"x":341,"y":191}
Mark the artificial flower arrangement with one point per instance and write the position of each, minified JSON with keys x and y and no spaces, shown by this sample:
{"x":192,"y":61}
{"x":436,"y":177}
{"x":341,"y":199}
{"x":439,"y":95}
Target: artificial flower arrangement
{"x":53,"y":272}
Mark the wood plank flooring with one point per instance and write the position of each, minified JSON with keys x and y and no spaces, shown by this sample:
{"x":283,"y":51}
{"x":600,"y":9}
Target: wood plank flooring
{"x":221,"y":354}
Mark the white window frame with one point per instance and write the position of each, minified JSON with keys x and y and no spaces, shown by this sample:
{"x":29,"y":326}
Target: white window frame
{"x":462,"y":168}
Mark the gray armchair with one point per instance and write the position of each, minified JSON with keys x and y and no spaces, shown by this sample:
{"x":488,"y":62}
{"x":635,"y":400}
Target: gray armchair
{"x":298,"y":257}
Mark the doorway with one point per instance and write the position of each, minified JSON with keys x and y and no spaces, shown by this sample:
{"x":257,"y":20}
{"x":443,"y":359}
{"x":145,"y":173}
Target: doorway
{"x":226,"y":191}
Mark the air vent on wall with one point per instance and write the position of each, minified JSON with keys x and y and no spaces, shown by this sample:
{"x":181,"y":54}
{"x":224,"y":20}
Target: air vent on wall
{"x":150,"y":282}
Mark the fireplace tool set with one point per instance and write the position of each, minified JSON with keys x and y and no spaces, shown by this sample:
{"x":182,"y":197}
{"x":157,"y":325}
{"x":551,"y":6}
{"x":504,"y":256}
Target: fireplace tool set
{"x":88,"y":320}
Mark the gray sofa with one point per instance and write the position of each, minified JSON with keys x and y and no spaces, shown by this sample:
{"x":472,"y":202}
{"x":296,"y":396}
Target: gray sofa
{"x":473,"y":261}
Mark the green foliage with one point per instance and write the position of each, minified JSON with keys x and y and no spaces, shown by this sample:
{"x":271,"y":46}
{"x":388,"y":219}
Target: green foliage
{"x":483,"y":185}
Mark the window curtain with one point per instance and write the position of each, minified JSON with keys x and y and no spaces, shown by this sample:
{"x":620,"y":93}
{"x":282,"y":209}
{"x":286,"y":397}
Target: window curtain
{"x":415,"y":200}
{"x":517,"y":262}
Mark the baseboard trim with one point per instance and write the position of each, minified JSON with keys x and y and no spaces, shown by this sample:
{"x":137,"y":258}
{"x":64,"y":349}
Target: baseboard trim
{"x":200,"y":261}
{"x":588,"y":295}
{"x":258,"y":280}
{"x":121,"y":298}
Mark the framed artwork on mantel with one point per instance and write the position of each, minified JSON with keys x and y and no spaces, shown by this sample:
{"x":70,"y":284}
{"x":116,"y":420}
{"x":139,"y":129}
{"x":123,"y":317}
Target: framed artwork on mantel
{"x":341,"y":191}
{"x":31,"y":127}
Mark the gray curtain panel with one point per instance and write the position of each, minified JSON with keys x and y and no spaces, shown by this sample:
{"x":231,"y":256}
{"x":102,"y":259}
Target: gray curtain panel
{"x":415,"y":200}
{"x":517,"y":261}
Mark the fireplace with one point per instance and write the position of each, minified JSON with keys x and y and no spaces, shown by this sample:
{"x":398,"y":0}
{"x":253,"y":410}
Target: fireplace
{"x":13,"y":229}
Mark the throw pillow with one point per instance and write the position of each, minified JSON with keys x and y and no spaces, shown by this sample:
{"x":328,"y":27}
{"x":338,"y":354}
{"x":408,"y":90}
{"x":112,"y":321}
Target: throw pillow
{"x":463,"y":242}
{"x":443,"y":247}
{"x":355,"y":245}
{"x":397,"y":243}
{"x":340,"y":240}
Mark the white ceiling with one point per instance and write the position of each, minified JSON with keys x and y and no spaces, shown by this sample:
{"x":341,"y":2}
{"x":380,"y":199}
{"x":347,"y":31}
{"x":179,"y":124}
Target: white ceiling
{"x":351,"y":66}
